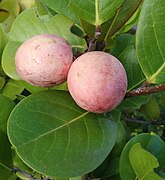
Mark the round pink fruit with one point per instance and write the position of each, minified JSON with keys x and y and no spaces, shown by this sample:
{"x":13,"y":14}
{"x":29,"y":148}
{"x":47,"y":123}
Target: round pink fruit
{"x":44,"y":60}
{"x":97,"y":81}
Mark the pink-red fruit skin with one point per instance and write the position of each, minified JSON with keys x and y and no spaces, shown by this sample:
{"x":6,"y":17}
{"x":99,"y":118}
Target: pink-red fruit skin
{"x":44,"y":60}
{"x":97,"y":81}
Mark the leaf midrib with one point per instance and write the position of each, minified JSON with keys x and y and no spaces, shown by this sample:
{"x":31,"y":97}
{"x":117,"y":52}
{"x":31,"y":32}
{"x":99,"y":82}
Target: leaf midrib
{"x":56,"y":129}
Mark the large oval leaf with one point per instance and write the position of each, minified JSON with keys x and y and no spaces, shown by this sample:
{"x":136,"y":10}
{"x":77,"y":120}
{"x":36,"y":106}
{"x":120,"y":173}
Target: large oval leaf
{"x":150,"y":40}
{"x":56,"y":137}
{"x":151,"y":143}
{"x":29,"y":24}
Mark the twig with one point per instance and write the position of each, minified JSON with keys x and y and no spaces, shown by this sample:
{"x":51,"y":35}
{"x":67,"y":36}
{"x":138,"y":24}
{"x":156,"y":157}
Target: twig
{"x":136,"y":121}
{"x":145,"y":90}
{"x":143,"y":122}
{"x":94,"y":39}
{"x":30,"y":176}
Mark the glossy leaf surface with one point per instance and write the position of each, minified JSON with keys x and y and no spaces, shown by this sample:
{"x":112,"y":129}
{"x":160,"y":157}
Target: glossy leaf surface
{"x":56,"y":137}
{"x":143,"y":163}
{"x":133,"y":102}
{"x":122,"y":15}
{"x":148,"y":142}
{"x":95,"y":11}
{"x":132,"y":67}
{"x":150,"y":40}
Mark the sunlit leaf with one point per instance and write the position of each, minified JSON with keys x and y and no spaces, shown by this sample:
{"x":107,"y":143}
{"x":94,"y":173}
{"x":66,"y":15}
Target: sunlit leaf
{"x":3,"y":39}
{"x":13,"y":8}
{"x":12,"y":89}
{"x":151,"y":143}
{"x":143,"y":163}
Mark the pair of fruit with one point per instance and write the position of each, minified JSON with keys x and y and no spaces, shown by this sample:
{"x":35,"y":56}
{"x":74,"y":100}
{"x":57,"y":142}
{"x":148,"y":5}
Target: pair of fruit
{"x":96,"y":80}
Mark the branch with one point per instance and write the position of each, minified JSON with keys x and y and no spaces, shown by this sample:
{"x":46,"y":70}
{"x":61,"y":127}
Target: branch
{"x":145,"y":90}
{"x":136,"y":121}
{"x":30,"y":176}
{"x":143,"y":122}
{"x":94,"y":39}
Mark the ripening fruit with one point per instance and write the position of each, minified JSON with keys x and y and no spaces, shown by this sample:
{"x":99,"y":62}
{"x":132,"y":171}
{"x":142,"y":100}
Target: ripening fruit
{"x":97,"y":81}
{"x":44,"y":60}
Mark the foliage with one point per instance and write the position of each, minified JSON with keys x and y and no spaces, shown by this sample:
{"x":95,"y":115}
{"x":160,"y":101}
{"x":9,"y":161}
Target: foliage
{"x":44,"y":134}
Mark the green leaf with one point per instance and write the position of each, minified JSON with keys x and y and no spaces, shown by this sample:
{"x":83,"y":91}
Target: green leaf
{"x":12,"y":89}
{"x":108,"y":169}
{"x":13,"y":177}
{"x":26,"y":4}
{"x":143,"y":163}
{"x":17,"y":162}
{"x":131,"y":23}
{"x":56,"y":137}
{"x":129,"y":59}
{"x":13,"y":8}
{"x":8,"y":59}
{"x":3,"y":39}
{"x":95,"y":11}
{"x":121,"y":43}
{"x":61,"y":7}
{"x":112,"y":171}
{"x":6,"y":106}
{"x":3,"y":15}
{"x":151,"y":143}
{"x":122,"y":16}
{"x":120,"y":140}
{"x":31,"y":88}
{"x":2,"y":82}
{"x":5,"y":157}
{"x":151,"y":109}
{"x":150,"y":40}
{"x":124,"y":50}
{"x":33,"y":25}
{"x":133,"y":102}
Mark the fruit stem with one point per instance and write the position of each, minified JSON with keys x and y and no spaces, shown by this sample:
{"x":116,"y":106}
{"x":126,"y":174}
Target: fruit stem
{"x":94,"y":39}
